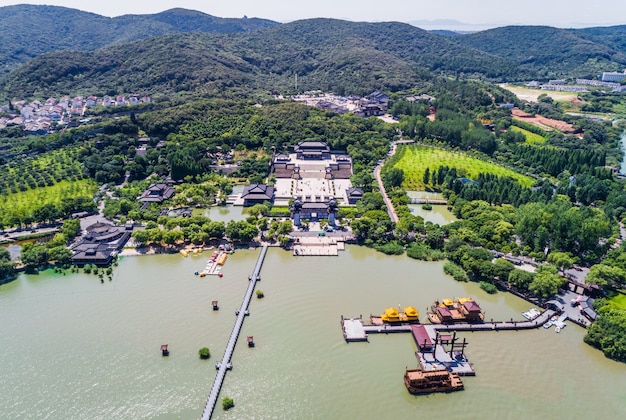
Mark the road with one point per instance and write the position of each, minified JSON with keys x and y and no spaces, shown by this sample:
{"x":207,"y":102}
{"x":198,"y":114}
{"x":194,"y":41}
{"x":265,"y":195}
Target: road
{"x":390,"y":209}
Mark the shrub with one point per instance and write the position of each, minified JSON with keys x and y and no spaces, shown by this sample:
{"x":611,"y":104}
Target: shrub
{"x":227,"y":403}
{"x":455,"y":271}
{"x":420,"y":251}
{"x":260,"y":294}
{"x":204,"y":353}
{"x":280,"y":212}
{"x":488,"y":287}
{"x":390,"y":248}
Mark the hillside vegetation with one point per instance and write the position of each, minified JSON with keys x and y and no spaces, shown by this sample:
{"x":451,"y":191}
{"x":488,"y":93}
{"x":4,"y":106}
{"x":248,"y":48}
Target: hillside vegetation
{"x":325,"y":54}
{"x":552,"y":52}
{"x":27,"y":31}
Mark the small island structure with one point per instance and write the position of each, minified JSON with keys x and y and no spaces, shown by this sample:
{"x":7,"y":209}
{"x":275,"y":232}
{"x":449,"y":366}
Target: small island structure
{"x":460,"y":310}
{"x":419,"y":381}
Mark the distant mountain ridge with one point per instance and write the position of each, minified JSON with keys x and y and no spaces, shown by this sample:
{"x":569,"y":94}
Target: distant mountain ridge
{"x":333,"y":55}
{"x":27,"y":31}
{"x":554,"y":52}
{"x":171,"y":52}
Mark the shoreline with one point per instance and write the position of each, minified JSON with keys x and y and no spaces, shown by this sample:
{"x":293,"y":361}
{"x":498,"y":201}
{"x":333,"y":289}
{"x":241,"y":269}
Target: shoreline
{"x":154,"y":250}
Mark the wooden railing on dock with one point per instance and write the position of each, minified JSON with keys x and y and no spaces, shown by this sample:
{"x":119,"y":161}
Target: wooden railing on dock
{"x":225,"y":364}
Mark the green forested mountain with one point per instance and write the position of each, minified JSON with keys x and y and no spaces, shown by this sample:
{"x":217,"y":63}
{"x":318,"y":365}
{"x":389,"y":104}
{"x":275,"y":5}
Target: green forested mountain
{"x":612,"y":36}
{"x":552,"y":52}
{"x":27,"y":31}
{"x":344,"y":57}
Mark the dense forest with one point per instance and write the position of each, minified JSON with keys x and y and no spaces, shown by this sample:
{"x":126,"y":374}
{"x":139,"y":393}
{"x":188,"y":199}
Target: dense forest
{"x":325,"y":54}
{"x":551,"y":52}
{"x":346,"y":57}
{"x":27,"y":31}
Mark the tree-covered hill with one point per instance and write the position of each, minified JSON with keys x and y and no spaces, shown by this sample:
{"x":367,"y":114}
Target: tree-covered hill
{"x":551,"y":52}
{"x":340,"y":56}
{"x":612,"y":36}
{"x":27,"y":31}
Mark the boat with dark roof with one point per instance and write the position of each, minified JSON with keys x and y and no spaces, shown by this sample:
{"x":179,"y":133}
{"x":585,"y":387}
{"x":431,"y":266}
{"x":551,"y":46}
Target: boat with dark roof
{"x":460,"y":310}
{"x":419,"y":381}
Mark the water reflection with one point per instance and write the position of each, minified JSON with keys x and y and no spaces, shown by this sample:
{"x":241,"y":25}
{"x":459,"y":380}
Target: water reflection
{"x":439,"y":214}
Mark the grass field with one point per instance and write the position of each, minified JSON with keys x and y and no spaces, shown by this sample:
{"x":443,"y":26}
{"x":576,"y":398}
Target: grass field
{"x":414,"y":160}
{"x":23,"y":203}
{"x":531,"y":138}
{"x":618,"y":302}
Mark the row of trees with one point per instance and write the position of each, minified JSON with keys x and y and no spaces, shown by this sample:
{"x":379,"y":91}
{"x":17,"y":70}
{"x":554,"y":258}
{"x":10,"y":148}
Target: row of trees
{"x":35,"y":254}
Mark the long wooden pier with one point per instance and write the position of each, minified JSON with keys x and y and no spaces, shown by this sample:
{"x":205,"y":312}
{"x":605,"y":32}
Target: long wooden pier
{"x":225,"y":364}
{"x":360,"y":333}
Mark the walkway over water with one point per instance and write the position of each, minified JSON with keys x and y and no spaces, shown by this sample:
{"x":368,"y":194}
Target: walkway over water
{"x":224,"y":365}
{"x":428,"y":201}
{"x":355,"y":333}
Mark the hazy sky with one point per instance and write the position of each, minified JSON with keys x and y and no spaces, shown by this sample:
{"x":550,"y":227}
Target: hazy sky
{"x":560,"y":13}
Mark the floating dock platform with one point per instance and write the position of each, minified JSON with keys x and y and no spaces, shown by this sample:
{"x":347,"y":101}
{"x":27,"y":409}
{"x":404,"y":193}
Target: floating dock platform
{"x":214,"y":264}
{"x":353,"y":329}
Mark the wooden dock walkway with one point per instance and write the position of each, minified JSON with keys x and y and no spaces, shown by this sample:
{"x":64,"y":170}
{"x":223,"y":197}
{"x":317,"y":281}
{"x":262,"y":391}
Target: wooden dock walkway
{"x":225,"y":364}
{"x":483,"y":326}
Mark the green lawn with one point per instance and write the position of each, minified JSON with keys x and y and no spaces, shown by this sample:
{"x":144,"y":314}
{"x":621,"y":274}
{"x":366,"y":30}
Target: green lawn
{"x":531,"y":138}
{"x":414,"y":160}
{"x":618,"y":301}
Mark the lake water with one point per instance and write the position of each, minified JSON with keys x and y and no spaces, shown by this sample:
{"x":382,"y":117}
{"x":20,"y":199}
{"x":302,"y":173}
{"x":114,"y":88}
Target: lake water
{"x":223,"y":213}
{"x":73,"y":348}
{"x":623,"y":167}
{"x":439,"y":214}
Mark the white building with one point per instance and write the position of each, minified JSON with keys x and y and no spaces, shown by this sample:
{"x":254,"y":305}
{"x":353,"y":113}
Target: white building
{"x":611,"y":76}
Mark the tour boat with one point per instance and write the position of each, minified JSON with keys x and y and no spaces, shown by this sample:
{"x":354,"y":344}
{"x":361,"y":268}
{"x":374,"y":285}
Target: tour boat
{"x":393,"y":315}
{"x":425,"y":381}
{"x":459,"y":310}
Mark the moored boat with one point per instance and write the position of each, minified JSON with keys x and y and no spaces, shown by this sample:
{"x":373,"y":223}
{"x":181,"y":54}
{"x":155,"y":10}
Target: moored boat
{"x":426,"y":381}
{"x":450,"y":311}
{"x":395,"y":316}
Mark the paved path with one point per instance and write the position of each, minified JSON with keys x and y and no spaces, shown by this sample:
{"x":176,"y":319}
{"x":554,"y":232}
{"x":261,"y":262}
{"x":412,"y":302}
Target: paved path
{"x":390,"y":209}
{"x":225,"y":364}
